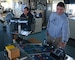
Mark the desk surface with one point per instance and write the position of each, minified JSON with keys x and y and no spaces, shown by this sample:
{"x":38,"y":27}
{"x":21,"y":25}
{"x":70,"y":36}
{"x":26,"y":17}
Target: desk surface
{"x":39,"y":52}
{"x":36,"y":42}
{"x":26,"y":56}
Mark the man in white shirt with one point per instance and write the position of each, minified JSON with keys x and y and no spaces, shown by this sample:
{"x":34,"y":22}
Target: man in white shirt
{"x":58,"y":27}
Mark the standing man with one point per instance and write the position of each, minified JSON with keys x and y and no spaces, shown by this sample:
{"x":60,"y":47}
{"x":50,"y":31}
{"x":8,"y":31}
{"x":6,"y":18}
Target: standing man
{"x":58,"y":27}
{"x":27,"y":15}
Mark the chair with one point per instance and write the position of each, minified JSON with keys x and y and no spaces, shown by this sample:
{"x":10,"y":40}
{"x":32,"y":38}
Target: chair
{"x":9,"y":16}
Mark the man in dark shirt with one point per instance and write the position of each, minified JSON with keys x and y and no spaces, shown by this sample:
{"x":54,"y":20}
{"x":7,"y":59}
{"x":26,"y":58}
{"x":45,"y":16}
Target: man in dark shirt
{"x":28,"y":16}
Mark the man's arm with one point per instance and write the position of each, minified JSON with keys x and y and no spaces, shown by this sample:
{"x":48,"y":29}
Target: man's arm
{"x":65,"y":34}
{"x":65,"y":31}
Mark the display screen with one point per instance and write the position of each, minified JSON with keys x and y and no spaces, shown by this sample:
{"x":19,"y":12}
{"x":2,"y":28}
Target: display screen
{"x":58,"y":51}
{"x":69,"y":1}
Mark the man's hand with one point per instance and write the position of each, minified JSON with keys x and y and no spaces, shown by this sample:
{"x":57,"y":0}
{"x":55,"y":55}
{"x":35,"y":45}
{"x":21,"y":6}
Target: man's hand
{"x":62,"y":45}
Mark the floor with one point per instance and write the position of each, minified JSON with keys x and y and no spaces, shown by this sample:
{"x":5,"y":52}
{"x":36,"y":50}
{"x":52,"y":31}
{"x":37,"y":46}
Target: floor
{"x":41,"y":36}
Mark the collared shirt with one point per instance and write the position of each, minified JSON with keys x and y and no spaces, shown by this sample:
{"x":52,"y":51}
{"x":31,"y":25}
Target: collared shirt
{"x":58,"y":26}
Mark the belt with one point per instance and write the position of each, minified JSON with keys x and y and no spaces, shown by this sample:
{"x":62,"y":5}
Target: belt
{"x":54,"y":39}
